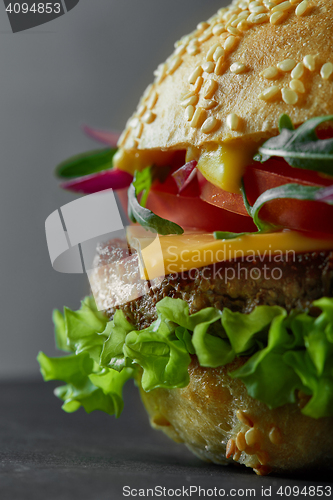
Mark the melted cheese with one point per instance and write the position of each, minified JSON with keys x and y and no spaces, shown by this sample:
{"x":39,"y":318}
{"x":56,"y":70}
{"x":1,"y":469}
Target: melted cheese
{"x":133,"y":160}
{"x":224,"y":164}
{"x":163,"y":255}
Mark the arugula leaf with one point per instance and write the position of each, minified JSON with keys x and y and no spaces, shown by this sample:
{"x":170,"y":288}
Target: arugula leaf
{"x":86,"y":163}
{"x":300,"y":148}
{"x":146,"y":218}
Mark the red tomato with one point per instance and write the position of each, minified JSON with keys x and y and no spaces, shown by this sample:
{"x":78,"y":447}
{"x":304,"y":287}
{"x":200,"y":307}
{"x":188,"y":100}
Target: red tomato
{"x":188,"y":210}
{"x":293,"y":214}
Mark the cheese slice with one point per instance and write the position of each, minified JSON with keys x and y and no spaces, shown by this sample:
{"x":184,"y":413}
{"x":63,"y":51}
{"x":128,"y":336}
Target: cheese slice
{"x":224,"y":164}
{"x":163,"y":255}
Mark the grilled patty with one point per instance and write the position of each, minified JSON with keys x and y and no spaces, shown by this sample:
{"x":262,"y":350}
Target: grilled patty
{"x":292,"y":281}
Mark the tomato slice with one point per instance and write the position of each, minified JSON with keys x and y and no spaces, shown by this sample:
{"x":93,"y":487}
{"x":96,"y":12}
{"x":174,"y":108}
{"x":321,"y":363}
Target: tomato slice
{"x":294,"y":214}
{"x":189,"y":211}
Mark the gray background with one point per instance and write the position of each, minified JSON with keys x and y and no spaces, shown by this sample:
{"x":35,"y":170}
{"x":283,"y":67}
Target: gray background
{"x":87,"y":67}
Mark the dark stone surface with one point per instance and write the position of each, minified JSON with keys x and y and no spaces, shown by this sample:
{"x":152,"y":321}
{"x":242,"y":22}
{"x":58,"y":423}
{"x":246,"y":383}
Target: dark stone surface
{"x":48,"y":454}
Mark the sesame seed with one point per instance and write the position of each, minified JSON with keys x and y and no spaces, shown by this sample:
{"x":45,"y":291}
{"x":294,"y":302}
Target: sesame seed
{"x":189,"y":112}
{"x":148,"y":117}
{"x":209,"y":125}
{"x":258,"y":10}
{"x":194,"y":75}
{"x":161,"y":72}
{"x":275,"y":436}
{"x":210,"y":53}
{"x":152,"y":99}
{"x":219,"y":52}
{"x":244,"y":14}
{"x":242,"y":417}
{"x":206,"y":35}
{"x":230,"y":448}
{"x":282,"y":7}
{"x":193,"y":50}
{"x":309,"y":62}
{"x":202,"y":26}
{"x":233,"y":31}
{"x":197,"y":85}
{"x":269,"y":93}
{"x":198,"y":118}
{"x":237,"y":455}
{"x":269,"y":73}
{"x":263,"y":457}
{"x":268,"y":4}
{"x":210,"y":89}
{"x":132,"y":144}
{"x":180,"y":50}
{"x":218,"y":29}
{"x":193,"y":100}
{"x":240,"y":441}
{"x":243,"y":25}
{"x":134,"y":122}
{"x":176,"y":62}
{"x":220,"y":66}
{"x":253,"y":5}
{"x":230,"y":20}
{"x":258,"y":18}
{"x":298,"y":71}
{"x":302,"y":8}
{"x":326,"y":70}
{"x":237,"y":68}
{"x":286,"y":65}
{"x":208,"y":66}
{"x":138,"y":130}
{"x":233,"y":123}
{"x":230,"y":42}
{"x":289,"y":96}
{"x":277,"y":17}
{"x":252,"y":436}
{"x":297,"y":86}
{"x":141,"y":110}
{"x":294,"y":2}
{"x":209,"y":104}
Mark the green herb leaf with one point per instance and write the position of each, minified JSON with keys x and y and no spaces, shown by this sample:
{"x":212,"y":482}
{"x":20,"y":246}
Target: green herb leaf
{"x":285,"y":353}
{"x":301,"y":148}
{"x":86,"y":163}
{"x":146,"y":218}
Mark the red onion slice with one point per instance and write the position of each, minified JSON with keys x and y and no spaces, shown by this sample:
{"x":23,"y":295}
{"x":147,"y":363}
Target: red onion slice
{"x":325,"y":194}
{"x":185,"y":174}
{"x":114,"y":179}
{"x":103,"y":136}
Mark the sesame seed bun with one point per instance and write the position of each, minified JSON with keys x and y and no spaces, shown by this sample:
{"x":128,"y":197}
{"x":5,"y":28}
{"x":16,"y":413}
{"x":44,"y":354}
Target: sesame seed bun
{"x":220,"y":422}
{"x":174,"y":113}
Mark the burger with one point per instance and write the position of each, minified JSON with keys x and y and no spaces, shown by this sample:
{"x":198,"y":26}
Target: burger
{"x":226,"y":168}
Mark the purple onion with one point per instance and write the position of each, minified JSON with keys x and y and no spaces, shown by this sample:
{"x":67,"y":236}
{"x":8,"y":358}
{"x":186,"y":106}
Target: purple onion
{"x":103,"y":136}
{"x":114,"y":179}
{"x":185,"y":174}
{"x":325,"y":194}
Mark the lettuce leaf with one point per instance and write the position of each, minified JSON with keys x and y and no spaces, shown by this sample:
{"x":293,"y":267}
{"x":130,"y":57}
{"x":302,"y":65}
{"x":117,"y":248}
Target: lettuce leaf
{"x":284,"y":353}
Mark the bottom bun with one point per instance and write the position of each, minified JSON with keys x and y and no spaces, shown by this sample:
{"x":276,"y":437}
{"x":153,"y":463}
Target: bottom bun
{"x":219,"y":422}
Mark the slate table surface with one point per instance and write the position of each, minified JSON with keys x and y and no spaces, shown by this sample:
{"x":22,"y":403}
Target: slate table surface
{"x":48,"y":454}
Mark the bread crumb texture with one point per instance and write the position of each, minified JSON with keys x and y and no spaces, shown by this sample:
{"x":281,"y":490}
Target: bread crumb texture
{"x":236,"y":73}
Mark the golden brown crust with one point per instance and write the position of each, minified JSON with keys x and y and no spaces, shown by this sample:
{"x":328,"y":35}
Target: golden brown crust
{"x":218,"y":421}
{"x":160,"y":121}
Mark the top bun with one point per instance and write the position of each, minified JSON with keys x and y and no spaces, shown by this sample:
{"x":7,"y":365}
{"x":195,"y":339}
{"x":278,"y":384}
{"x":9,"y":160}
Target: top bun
{"x":216,"y":73}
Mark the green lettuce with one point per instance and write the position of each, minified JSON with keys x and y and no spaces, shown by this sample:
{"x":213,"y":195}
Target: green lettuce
{"x":283,"y":353}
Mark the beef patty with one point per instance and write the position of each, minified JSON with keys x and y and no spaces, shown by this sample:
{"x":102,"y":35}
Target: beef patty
{"x":292,"y":282}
